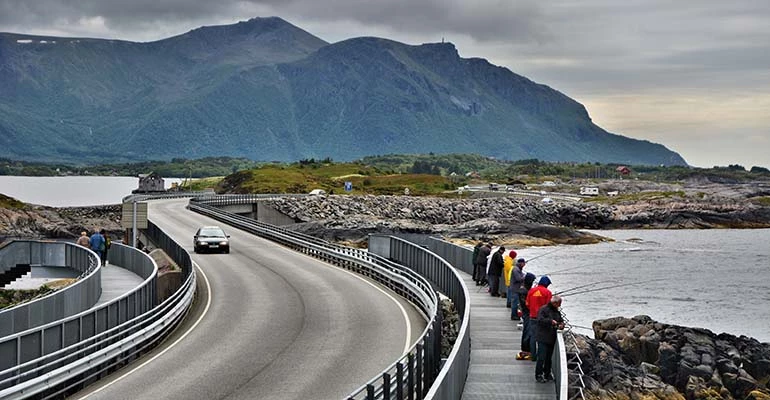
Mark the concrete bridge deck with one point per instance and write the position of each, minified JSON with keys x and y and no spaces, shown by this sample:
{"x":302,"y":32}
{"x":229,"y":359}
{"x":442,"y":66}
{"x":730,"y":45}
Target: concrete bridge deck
{"x":494,"y":372}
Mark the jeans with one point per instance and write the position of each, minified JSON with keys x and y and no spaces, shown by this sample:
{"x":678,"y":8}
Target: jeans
{"x":525,"y":333}
{"x":532,"y":340}
{"x":514,"y":299}
{"x":544,"y":354}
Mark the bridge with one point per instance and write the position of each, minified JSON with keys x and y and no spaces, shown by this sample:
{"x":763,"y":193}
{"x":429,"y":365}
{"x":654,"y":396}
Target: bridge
{"x":270,"y":321}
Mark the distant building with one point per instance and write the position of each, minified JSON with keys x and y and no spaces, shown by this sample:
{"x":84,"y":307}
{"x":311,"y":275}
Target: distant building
{"x":623,"y":170}
{"x":150,"y":183}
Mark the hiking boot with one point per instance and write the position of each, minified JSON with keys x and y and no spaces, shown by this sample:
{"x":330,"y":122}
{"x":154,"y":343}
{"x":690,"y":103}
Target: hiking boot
{"x":548,"y":377}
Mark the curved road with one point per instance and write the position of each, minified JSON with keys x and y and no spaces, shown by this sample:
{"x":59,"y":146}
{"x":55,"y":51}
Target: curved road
{"x":269,"y":323}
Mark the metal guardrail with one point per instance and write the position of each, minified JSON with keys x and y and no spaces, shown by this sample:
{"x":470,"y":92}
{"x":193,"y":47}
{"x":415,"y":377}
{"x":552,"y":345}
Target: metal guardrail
{"x":413,"y":374}
{"x":59,"y":304}
{"x":450,"y":381}
{"x":461,"y":258}
{"x":62,"y":357}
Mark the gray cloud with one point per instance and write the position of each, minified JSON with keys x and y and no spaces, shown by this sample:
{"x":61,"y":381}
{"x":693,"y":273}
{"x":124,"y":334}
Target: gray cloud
{"x":599,"y":51}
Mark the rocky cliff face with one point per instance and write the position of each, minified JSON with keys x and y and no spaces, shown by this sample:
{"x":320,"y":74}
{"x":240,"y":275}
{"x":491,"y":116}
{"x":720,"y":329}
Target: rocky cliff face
{"x":638,"y":358}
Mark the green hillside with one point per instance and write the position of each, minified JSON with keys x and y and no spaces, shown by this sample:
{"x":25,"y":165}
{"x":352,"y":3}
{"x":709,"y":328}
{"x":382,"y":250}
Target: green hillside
{"x":266,"y":90}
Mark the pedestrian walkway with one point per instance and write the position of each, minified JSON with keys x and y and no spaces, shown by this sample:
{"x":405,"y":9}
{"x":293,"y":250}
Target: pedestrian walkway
{"x":117,"y":281}
{"x":494,"y":372}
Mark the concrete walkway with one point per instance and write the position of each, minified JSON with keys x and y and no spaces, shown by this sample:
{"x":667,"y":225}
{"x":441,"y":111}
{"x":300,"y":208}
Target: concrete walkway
{"x":117,"y":281}
{"x":494,"y":372}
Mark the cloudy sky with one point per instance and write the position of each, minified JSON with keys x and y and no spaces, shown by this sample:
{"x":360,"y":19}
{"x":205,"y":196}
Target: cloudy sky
{"x":693,"y":75}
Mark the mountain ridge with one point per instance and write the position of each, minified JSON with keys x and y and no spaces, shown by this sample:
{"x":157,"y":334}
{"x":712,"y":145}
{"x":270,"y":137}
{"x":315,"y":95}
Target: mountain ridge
{"x":265,"y":89}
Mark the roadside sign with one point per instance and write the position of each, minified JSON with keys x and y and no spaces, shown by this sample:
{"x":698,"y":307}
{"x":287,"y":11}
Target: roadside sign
{"x":127,"y":215}
{"x":348,"y":186}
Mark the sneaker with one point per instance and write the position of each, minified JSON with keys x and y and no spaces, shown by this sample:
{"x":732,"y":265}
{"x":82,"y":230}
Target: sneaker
{"x":540,"y":379}
{"x":522,"y":355}
{"x":548,"y":378}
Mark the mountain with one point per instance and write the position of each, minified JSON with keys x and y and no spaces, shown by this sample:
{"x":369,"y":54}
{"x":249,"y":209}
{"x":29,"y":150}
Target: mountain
{"x":266,"y":90}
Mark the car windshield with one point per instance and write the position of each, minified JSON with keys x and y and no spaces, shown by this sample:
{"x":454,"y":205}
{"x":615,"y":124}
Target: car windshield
{"x":211,"y":232}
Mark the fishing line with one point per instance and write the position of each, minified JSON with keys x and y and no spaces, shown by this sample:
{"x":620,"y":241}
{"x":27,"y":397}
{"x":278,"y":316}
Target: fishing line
{"x":586,"y":285}
{"x":614,"y":286}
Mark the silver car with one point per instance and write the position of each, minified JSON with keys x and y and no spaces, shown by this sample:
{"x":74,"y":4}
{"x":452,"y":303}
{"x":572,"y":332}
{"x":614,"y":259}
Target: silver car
{"x":211,"y":238}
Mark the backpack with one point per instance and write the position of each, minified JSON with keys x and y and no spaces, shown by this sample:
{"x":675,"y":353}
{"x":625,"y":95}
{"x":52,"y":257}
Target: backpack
{"x":107,"y":242}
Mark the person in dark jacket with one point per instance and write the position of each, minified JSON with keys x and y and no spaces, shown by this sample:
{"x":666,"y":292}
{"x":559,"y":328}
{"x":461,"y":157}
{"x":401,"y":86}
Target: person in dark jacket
{"x":517,"y":278}
{"x":495,"y":270}
{"x":549,"y":320}
{"x":481,"y":263}
{"x":476,"y":272}
{"x":526,"y":332}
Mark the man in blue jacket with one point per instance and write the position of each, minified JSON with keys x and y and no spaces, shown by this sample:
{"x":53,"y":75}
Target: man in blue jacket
{"x":97,"y":244}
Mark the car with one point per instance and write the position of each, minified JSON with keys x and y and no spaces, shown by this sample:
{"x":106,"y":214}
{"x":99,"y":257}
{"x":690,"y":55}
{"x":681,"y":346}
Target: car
{"x":211,"y":238}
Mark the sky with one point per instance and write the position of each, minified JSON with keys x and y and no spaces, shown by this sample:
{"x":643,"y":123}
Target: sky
{"x":693,"y":75}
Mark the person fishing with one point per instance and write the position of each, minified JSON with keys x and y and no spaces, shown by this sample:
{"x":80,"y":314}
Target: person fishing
{"x":517,"y":279}
{"x":549,"y":320}
{"x":537,"y":297}
{"x":508,"y":260}
{"x":526,"y":348}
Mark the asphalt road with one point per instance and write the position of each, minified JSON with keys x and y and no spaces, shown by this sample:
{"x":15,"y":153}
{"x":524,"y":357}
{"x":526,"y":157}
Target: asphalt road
{"x":269,"y":323}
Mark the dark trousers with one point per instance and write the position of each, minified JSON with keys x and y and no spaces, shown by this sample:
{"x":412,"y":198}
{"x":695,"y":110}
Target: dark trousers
{"x":532,"y":332}
{"x":525,"y":333}
{"x":479,"y":273}
{"x":544,"y":354}
{"x":494,"y":284}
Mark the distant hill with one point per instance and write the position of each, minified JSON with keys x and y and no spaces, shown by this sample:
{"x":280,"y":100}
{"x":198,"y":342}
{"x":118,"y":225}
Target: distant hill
{"x":266,"y":90}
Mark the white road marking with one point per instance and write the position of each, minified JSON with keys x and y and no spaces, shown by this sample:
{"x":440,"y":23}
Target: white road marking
{"x":205,"y":310}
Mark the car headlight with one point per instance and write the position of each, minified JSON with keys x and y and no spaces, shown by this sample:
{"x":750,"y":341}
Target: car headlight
{"x":200,"y":242}
{"x":223,"y":243}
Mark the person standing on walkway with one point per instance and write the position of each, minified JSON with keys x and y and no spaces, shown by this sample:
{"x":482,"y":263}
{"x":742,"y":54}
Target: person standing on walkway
{"x":97,"y":244}
{"x":517,"y":279}
{"x":549,"y":320}
{"x":496,"y":265}
{"x":537,"y":297}
{"x":481,"y":263}
{"x":84,"y":240}
{"x":508,"y":261}
{"x":476,"y":270}
{"x":526,"y":340}
{"x":107,"y":244}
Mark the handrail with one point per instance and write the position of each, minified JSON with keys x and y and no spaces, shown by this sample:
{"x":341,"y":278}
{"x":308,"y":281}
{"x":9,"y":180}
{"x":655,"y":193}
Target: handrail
{"x":415,"y":371}
{"x":79,"y":296}
{"x":95,"y":341}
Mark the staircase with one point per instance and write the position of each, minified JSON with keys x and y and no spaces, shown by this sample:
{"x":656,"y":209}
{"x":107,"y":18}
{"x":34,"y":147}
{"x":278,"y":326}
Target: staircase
{"x":14,"y":273}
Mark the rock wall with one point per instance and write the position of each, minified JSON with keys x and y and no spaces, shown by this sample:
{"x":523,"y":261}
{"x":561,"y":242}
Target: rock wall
{"x":641,"y":358}
{"x":39,"y":222}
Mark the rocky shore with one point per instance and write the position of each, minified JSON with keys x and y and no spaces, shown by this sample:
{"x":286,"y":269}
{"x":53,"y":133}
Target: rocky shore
{"x":638,"y":358}
{"x":40,"y":222}
{"x":510,"y":219}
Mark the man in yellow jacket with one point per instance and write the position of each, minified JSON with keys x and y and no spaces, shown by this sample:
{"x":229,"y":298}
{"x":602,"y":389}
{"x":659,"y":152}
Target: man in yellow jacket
{"x":507,"y":268}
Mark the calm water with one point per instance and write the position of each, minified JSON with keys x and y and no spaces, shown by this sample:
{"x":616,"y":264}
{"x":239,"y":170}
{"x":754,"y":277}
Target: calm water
{"x":69,"y":191}
{"x":714,"y":279}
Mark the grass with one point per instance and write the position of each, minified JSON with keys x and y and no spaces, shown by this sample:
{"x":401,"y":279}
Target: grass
{"x":640,"y":196}
{"x":10,"y":202}
{"x":299,"y":178}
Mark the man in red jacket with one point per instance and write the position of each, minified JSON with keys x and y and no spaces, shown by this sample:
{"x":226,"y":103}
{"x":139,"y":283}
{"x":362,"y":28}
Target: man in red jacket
{"x":537,"y":297}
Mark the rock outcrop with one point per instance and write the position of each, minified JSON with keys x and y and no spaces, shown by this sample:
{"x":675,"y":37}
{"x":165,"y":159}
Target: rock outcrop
{"x":39,"y":222}
{"x":638,"y":358}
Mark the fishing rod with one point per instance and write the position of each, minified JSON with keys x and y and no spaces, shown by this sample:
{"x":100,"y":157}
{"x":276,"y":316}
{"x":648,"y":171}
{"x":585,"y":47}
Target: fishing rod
{"x":569,"y":269}
{"x":614,"y":286}
{"x":545,"y":254}
{"x":582,"y":286}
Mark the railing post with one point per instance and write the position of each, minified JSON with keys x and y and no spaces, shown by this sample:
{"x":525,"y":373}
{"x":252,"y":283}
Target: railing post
{"x":386,"y":386}
{"x":410,"y":376}
{"x":418,"y":389}
{"x":370,"y":392}
{"x":399,"y":381}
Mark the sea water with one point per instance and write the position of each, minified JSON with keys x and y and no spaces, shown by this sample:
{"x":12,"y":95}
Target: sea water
{"x":71,"y":191}
{"x":718,"y":279}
